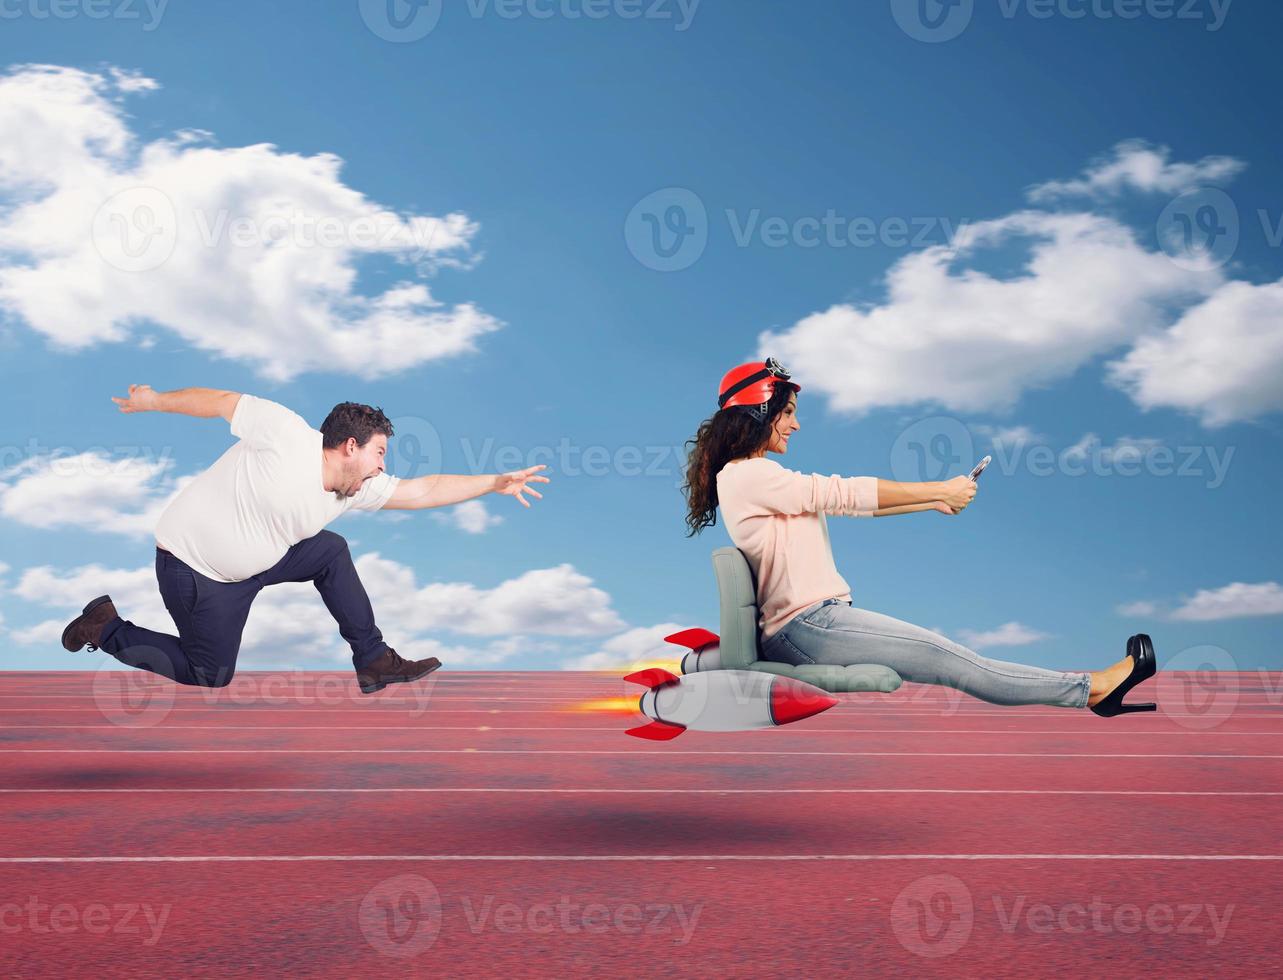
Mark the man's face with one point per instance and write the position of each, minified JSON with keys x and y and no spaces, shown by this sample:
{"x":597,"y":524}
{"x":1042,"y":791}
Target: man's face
{"x":363,"y":463}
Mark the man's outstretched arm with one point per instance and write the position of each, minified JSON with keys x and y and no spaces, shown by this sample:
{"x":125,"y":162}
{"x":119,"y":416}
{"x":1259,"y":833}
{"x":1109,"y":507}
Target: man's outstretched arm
{"x":443,"y":489}
{"x":204,"y":403}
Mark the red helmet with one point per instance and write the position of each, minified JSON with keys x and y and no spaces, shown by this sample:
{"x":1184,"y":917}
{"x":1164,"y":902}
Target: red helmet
{"x":749,"y":386}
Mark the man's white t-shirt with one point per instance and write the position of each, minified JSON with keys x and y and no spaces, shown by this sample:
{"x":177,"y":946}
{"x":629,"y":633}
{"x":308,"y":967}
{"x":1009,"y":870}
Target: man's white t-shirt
{"x":262,"y":496}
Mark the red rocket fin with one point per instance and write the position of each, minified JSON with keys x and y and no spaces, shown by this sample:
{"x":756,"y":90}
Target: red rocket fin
{"x":657,"y":731}
{"x":696,"y":638}
{"x":653,"y":677}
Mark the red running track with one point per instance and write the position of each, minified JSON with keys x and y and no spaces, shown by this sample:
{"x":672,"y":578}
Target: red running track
{"x":480,"y":825}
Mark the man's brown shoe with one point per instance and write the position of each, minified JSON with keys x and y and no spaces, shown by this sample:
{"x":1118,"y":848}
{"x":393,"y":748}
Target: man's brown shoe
{"x":391,"y":668}
{"x":87,"y":627}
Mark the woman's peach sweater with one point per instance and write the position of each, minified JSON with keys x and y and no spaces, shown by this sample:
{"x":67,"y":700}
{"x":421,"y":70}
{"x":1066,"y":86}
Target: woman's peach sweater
{"x":775,"y":516}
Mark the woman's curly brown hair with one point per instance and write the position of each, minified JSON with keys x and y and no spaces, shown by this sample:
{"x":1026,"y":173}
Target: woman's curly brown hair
{"x":727,"y":435}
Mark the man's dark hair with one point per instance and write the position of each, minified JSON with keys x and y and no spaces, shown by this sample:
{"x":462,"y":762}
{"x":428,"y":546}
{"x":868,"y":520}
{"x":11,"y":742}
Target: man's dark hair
{"x":350,"y":420}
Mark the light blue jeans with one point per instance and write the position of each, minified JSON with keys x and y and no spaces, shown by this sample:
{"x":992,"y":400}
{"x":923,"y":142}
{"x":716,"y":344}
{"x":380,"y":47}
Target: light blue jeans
{"x":835,"y":632}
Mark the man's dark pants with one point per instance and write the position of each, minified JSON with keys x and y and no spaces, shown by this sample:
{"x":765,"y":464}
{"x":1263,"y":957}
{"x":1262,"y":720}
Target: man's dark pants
{"x":211,"y":615}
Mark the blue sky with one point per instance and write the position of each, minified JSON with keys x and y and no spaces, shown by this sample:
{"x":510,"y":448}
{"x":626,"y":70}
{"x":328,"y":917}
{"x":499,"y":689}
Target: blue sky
{"x":825,"y":156}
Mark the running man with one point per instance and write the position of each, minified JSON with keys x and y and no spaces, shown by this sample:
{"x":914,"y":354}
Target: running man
{"x":256,"y":518}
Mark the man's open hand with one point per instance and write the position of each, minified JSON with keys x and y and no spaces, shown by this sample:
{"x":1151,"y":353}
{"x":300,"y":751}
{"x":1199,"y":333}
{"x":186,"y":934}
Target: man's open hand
{"x":516,"y":483}
{"x":141,"y":399}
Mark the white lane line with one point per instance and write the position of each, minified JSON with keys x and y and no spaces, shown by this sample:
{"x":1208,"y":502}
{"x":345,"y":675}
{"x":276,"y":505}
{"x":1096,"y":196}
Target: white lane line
{"x":925,"y":755}
{"x":584,"y":727}
{"x":260,"y":700}
{"x":424,"y":709}
{"x":290,"y":858}
{"x":268,"y":697}
{"x":668,"y":792}
{"x":413,"y":694}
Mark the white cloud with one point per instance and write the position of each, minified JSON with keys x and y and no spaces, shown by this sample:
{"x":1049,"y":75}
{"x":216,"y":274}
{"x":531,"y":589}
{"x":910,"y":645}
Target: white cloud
{"x":246,"y":252}
{"x":1126,"y":448}
{"x":971,"y":341}
{"x":100,"y":492}
{"x":289,"y":626}
{"x":1222,"y":360}
{"x":471,"y":517}
{"x":1011,"y":634}
{"x":1233,"y":601}
{"x":131,"y":81}
{"x":495,"y":653}
{"x":1139,"y":608}
{"x":57,"y":123}
{"x":952,"y":334}
{"x":557,"y":601}
{"x":134,"y":592}
{"x":643,"y":644}
{"x":1013,"y":437}
{"x":1135,"y":165}
{"x":92,"y":490}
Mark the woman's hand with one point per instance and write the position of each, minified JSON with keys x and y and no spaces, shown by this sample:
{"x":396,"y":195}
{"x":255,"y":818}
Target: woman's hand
{"x":515,"y":484}
{"x":958,"y":492}
{"x":141,"y":399}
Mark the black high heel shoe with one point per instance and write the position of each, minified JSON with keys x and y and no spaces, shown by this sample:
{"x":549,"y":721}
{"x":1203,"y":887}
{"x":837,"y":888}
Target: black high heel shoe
{"x":1144,"y":665}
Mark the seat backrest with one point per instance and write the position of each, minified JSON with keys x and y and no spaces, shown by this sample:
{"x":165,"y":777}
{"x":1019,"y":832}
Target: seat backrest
{"x":737,"y":596}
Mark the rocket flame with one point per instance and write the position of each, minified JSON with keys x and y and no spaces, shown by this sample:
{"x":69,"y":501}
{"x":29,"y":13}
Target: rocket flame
{"x":626,"y":705}
{"x":613,"y":706}
{"x":672,"y":666}
{"x":623,"y":670}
